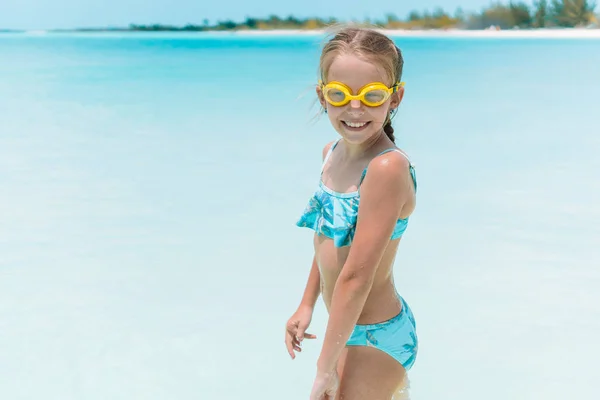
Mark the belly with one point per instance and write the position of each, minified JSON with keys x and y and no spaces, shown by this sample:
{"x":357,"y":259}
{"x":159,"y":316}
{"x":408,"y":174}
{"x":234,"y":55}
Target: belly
{"x":382,"y":302}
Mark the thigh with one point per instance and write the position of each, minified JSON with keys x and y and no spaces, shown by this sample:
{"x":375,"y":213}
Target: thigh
{"x":368,"y":373}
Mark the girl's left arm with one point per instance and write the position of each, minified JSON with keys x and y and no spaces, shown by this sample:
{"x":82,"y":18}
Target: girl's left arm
{"x":382,"y":194}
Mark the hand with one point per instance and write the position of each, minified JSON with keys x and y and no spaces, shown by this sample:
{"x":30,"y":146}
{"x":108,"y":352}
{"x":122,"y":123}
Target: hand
{"x":325,"y":386}
{"x":295,"y":329}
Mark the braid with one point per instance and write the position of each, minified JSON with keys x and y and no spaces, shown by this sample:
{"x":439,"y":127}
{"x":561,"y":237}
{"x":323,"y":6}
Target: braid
{"x":387,"y":127}
{"x":389,"y":131}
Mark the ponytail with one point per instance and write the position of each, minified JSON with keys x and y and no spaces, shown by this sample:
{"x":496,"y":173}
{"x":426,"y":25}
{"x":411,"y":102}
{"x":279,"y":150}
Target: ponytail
{"x":388,"y":129}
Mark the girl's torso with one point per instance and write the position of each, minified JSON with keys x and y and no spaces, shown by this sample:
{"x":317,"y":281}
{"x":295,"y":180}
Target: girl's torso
{"x":332,"y":213}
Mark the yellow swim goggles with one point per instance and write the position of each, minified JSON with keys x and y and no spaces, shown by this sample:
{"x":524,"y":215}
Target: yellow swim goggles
{"x":372,"y":95}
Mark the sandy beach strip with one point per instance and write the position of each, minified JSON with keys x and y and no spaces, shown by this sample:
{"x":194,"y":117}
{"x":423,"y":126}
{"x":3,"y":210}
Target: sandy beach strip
{"x":567,"y":33}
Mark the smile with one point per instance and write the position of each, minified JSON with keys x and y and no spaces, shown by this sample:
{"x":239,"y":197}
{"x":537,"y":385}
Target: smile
{"x":355,"y":125}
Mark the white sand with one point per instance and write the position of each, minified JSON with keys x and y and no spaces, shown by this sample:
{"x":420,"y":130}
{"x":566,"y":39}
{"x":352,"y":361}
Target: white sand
{"x":560,"y":33}
{"x":512,"y":33}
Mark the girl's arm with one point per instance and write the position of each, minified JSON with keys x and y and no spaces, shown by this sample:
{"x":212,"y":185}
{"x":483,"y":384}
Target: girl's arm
{"x":383,"y":193}
{"x":313,"y":287}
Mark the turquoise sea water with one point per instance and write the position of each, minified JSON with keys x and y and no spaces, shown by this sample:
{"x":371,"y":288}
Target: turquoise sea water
{"x":150,"y":186}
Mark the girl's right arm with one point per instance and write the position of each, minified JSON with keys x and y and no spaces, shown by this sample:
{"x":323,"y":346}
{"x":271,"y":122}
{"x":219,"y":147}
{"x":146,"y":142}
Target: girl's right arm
{"x":296,"y":326}
{"x":295,"y":330}
{"x":313,"y":287}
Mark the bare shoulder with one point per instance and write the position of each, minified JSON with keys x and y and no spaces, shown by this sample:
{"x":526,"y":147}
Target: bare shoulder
{"x":384,"y":196}
{"x":391,"y":168}
{"x":327,"y":147}
{"x":389,"y":181}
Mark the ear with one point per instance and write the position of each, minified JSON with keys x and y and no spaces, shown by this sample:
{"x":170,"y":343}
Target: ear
{"x":321,"y":97}
{"x":396,"y":98}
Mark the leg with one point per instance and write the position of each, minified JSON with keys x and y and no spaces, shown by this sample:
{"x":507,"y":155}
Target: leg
{"x":403,"y":392}
{"x":368,"y":373}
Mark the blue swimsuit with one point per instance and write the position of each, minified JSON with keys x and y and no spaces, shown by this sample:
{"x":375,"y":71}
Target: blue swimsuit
{"x":334,"y":215}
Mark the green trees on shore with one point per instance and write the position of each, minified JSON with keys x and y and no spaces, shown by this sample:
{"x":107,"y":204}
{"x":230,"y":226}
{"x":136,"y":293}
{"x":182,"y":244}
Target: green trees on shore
{"x":515,"y":14}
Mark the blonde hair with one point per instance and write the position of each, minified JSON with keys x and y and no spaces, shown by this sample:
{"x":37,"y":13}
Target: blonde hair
{"x":370,"y":45}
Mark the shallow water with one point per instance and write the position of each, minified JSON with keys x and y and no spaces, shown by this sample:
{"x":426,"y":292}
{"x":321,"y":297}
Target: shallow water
{"x":150,"y":190}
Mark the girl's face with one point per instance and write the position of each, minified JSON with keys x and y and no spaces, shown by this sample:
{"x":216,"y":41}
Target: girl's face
{"x":356,"y":122}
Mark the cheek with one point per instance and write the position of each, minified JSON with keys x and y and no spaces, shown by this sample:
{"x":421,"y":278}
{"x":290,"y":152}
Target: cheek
{"x":334,"y":112}
{"x":379,"y":114}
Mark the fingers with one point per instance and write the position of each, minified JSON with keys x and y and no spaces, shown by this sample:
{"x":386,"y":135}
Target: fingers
{"x":294,"y":335}
{"x":289,"y":344}
{"x":296,"y":345}
{"x":290,"y":334}
{"x":300,"y":334}
{"x":293,"y":344}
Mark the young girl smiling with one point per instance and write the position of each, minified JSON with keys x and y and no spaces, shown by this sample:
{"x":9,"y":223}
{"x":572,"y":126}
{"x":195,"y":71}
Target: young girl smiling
{"x":359,"y":212}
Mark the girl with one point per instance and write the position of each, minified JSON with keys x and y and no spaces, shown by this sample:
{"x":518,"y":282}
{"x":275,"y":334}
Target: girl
{"x":359,"y":212}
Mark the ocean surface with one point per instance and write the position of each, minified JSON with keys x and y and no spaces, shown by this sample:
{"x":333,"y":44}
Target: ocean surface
{"x":151,"y":184}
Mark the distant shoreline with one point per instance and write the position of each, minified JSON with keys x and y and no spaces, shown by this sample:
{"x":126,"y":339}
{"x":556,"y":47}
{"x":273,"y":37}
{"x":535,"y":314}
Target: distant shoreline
{"x":544,"y":18}
{"x":516,"y":33}
{"x":467,"y":33}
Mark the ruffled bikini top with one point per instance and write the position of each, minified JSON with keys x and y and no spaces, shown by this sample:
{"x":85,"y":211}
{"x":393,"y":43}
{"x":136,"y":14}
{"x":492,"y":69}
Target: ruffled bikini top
{"x":334,"y":214}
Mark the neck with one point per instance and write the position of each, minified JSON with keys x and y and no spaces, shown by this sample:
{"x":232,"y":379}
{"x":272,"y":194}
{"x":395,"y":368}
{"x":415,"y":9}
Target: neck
{"x":356,"y":151}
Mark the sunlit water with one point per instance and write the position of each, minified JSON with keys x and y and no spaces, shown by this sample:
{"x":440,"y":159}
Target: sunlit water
{"x":150,"y":186}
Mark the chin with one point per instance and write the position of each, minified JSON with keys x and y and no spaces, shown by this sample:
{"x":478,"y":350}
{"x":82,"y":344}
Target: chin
{"x":357,"y":137}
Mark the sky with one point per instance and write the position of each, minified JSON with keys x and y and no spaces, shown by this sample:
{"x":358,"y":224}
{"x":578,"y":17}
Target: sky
{"x":59,"y":14}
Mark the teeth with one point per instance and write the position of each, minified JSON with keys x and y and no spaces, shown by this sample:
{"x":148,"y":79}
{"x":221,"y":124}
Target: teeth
{"x":355,"y":124}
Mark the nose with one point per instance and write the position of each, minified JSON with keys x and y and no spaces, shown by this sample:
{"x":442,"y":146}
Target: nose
{"x":355,"y":113}
{"x":355,"y":103}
